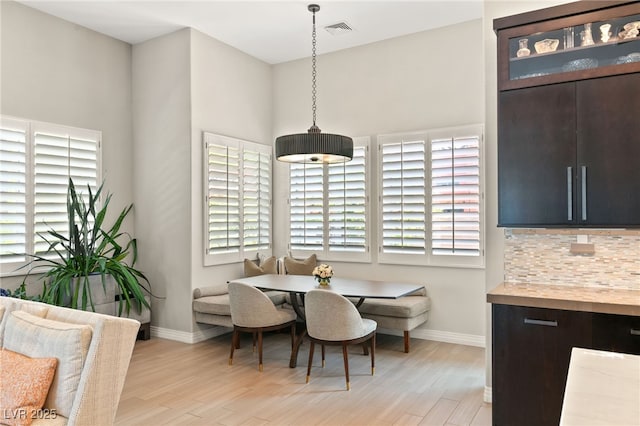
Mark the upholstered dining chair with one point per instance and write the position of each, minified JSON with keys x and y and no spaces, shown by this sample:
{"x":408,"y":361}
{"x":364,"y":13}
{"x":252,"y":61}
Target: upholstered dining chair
{"x":253,"y":312}
{"x":332,"y":319}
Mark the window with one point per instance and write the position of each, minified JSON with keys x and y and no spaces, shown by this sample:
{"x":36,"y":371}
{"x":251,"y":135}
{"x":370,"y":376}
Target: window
{"x":403,"y":196}
{"x":328,"y":207}
{"x":238,"y":198}
{"x":36,"y":161}
{"x":455,"y":196}
{"x":431,"y":198}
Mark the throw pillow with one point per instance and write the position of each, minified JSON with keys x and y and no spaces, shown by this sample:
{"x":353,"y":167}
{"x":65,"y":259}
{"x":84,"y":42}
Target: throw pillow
{"x":40,"y":337}
{"x":211,"y":290}
{"x":300,"y":267}
{"x":10,"y":304}
{"x":25,"y":384}
{"x":266,"y":267}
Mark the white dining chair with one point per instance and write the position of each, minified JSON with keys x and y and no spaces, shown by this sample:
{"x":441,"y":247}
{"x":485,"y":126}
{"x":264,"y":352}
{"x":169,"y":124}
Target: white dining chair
{"x":333,"y":319}
{"x":253,"y":312}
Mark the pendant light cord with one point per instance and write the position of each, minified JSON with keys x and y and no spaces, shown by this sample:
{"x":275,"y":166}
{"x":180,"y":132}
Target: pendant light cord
{"x":313,"y":69}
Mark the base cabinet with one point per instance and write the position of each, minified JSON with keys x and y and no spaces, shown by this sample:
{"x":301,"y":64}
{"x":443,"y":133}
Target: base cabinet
{"x":531,"y":353}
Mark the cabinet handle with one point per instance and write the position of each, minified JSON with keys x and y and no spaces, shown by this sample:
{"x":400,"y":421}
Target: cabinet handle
{"x":569,"y":193}
{"x":584,"y":192}
{"x":541,"y":322}
{"x":635,"y":332}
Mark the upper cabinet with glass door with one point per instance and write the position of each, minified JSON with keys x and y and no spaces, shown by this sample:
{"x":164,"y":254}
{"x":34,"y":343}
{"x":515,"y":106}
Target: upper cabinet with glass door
{"x":576,"y":41}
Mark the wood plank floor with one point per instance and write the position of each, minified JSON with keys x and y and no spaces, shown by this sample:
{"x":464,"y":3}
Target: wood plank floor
{"x":171,"y":383}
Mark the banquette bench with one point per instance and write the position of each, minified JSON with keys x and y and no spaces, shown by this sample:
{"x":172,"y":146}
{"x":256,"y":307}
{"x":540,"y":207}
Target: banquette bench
{"x":211,"y":303}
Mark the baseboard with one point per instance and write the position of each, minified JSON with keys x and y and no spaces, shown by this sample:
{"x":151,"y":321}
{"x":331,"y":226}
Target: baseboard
{"x":187,"y":337}
{"x":450,"y":337}
{"x":441,"y":336}
{"x":425,"y":334}
{"x":488,"y":394}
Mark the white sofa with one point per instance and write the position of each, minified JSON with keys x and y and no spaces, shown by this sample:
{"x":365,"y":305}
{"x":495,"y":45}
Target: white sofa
{"x":91,"y":370}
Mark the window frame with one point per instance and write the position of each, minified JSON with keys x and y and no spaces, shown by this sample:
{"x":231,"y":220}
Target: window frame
{"x":428,"y":258}
{"x":326,"y":254}
{"x":31,"y":127}
{"x":222,"y":258}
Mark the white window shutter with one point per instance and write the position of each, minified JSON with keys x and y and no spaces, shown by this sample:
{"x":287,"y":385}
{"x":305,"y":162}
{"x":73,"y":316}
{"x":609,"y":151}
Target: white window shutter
{"x":347,"y":200}
{"x":455,"y":196}
{"x":37,"y":159}
{"x":237,"y":181}
{"x":13,"y":190}
{"x":306,"y":206}
{"x":403,"y":196}
{"x":59,"y":154}
{"x":223,"y":198}
{"x":256,"y":196}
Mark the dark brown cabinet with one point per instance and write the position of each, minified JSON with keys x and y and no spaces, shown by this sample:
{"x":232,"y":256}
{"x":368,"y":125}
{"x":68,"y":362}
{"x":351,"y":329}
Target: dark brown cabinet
{"x":616,"y":333}
{"x":569,"y":154}
{"x":568,"y":141}
{"x":536,"y":153}
{"x":608,"y":154}
{"x":531,"y":350}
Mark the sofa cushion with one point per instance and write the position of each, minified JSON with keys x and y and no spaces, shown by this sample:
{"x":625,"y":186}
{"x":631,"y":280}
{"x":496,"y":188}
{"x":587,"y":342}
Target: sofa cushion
{"x":300,"y":267}
{"x":39,"y":337}
{"x":24,"y":386}
{"x":217,"y":305}
{"x":403,"y":307}
{"x":267,"y":266}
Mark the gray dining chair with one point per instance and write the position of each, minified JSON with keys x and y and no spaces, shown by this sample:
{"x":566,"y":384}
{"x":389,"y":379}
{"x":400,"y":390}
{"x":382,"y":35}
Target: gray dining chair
{"x":333,"y":319}
{"x":253,"y":312}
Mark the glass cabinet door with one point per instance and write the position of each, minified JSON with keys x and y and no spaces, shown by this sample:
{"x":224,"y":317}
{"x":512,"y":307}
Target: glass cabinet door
{"x":586,"y":46}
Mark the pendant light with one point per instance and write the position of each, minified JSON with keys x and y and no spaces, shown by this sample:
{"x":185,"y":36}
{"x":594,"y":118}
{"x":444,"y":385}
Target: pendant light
{"x":314,"y":146}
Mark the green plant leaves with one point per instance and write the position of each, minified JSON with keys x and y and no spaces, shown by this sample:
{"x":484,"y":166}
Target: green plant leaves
{"x":91,"y":247}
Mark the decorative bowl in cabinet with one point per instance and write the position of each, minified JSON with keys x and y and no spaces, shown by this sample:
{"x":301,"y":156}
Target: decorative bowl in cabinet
{"x":580,"y":64}
{"x":547,"y":45}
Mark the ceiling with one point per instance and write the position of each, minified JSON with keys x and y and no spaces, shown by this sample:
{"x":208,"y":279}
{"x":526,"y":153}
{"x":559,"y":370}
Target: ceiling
{"x":273,"y":31}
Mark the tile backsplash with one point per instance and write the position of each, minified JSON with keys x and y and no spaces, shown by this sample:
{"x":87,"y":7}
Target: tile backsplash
{"x":544,"y":256}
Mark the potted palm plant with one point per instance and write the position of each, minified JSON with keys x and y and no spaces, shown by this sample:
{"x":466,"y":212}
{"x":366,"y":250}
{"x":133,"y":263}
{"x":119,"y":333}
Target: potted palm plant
{"x":92,"y":251}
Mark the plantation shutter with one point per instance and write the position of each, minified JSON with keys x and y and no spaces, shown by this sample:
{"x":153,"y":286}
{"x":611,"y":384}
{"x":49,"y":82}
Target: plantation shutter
{"x":306,"y":206}
{"x":59,"y":154}
{"x":256,"y":197}
{"x":403,"y":197}
{"x":223,"y":196}
{"x":347,"y":200}
{"x":455,"y":199}
{"x":13,"y":190}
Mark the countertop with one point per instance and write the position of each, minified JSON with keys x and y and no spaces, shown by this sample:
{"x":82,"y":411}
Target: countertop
{"x":571,"y":298}
{"x":603,"y":388}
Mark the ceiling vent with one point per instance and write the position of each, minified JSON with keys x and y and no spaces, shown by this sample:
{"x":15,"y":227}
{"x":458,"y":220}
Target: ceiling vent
{"x":338,"y":29}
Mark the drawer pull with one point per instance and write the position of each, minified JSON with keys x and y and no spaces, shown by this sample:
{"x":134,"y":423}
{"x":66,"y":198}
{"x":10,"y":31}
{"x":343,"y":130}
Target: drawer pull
{"x":541,"y":322}
{"x":584,"y":192}
{"x":569,"y":194}
{"x":635,"y":332}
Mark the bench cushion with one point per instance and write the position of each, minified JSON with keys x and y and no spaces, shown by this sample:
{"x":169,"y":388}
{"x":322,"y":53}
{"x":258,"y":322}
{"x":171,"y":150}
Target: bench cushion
{"x":219,"y":305}
{"x":403,"y":307}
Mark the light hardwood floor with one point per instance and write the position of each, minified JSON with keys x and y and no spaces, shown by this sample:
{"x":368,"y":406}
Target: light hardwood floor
{"x":171,"y":383}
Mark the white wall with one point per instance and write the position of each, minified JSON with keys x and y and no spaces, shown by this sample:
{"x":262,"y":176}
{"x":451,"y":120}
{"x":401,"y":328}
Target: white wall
{"x":231,"y":95}
{"x":426,"y":80}
{"x":55,"y":71}
{"x":162,"y":173}
{"x":186,"y":83}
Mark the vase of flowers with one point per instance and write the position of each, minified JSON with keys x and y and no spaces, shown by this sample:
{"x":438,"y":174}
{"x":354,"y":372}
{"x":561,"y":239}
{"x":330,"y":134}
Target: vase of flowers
{"x":323,"y":274}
